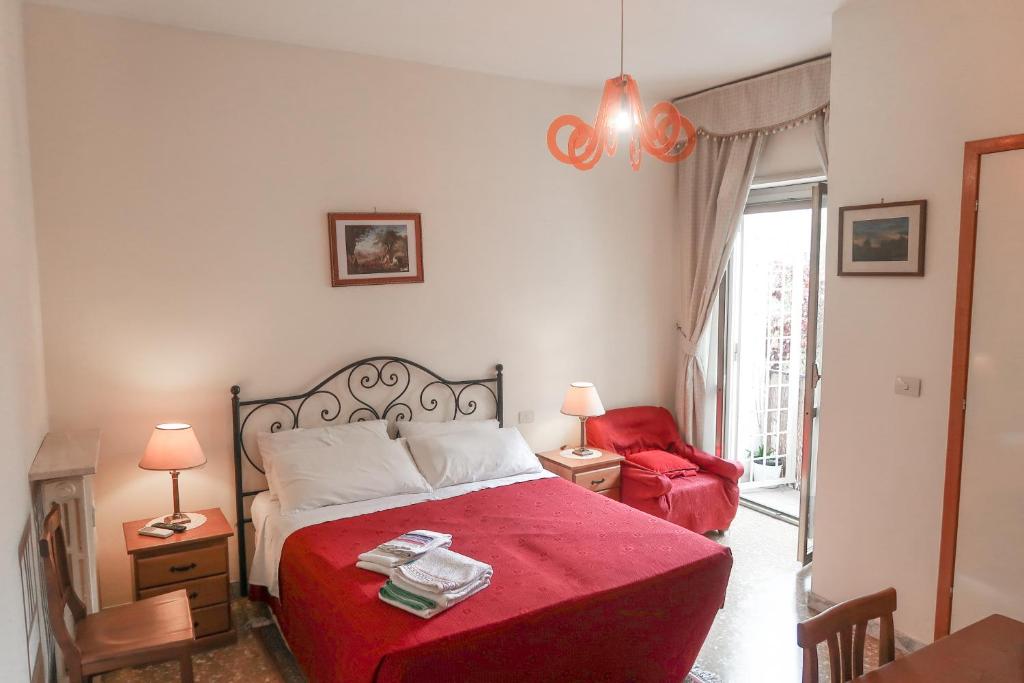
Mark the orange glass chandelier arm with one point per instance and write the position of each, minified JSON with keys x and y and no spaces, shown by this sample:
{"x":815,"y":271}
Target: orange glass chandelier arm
{"x":657,"y":133}
{"x":585,"y":142}
{"x":662,"y":130}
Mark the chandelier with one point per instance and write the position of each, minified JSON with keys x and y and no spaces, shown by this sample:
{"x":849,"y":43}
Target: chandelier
{"x":622,"y":112}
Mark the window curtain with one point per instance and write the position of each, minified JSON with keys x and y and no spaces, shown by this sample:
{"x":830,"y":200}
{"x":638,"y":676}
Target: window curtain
{"x":733,"y":123}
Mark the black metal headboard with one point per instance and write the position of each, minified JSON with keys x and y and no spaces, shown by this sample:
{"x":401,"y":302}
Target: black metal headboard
{"x":381,"y":392}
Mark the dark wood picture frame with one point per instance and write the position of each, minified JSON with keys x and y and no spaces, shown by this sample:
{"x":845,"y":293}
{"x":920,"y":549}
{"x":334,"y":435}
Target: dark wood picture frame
{"x":340,"y":277}
{"x":922,"y":205}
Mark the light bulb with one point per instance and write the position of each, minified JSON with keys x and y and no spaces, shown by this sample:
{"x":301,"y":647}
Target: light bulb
{"x":623,"y":120}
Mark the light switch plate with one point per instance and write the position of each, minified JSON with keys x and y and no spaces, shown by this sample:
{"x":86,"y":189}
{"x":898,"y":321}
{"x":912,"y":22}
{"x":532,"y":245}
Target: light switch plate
{"x":525,"y":417}
{"x":907,"y":386}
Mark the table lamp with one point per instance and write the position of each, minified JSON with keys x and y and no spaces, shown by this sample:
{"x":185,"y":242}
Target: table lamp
{"x":173,"y":447}
{"x":583,"y":402}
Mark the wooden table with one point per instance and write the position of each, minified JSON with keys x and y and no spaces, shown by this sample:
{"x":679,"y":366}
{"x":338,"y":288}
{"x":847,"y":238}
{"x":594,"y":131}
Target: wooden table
{"x":990,"y":650}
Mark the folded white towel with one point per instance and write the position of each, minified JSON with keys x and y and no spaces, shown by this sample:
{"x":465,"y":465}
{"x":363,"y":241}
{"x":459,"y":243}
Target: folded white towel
{"x":377,"y":556}
{"x":442,"y":571}
{"x":374,"y":567}
{"x":415,"y":543}
{"x":426,"y":609}
{"x":446,"y":599}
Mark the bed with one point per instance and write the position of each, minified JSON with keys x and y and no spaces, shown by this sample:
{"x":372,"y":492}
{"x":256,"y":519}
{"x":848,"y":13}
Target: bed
{"x":584,"y":588}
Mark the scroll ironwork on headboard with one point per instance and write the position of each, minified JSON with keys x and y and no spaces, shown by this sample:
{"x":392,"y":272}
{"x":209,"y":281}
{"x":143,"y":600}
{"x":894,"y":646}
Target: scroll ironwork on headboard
{"x":377,"y":388}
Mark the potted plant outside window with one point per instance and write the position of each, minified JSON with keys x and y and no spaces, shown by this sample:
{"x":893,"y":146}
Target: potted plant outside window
{"x":766,"y":466}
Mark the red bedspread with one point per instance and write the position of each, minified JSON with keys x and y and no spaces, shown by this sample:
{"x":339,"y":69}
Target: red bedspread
{"x":584,"y":589}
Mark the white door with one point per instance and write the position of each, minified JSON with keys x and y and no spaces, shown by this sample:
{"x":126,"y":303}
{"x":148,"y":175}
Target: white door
{"x":989,"y":574}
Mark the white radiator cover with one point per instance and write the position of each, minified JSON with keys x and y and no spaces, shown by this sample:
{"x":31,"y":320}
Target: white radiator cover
{"x":62,"y":473}
{"x":78,"y":515}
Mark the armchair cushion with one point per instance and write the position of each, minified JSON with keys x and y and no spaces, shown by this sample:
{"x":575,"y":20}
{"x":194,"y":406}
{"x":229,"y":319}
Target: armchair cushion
{"x":663,"y":462}
{"x":642,"y":483}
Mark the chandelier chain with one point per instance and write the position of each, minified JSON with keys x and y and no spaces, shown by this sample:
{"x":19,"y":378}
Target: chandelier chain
{"x":622,"y":37}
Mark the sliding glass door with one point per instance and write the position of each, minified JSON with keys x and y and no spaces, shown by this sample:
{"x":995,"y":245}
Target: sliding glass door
{"x":771,"y":303}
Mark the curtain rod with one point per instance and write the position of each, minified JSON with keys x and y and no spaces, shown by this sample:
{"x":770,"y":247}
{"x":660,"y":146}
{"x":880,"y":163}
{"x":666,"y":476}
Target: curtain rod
{"x":750,"y":78}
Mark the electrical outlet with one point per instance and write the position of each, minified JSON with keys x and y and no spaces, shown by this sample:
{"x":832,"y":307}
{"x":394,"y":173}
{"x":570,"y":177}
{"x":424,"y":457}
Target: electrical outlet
{"x":525,"y":417}
{"x":907,"y":386}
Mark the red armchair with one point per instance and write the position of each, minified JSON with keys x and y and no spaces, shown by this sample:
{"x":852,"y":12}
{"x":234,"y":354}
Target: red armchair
{"x":704,"y":502}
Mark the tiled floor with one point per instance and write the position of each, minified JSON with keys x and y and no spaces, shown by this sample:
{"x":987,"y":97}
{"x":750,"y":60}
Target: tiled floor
{"x":753,"y":638}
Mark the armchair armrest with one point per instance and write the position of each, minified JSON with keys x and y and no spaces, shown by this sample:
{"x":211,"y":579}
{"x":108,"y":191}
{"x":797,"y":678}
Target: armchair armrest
{"x":644,"y":483}
{"x":731,"y":470}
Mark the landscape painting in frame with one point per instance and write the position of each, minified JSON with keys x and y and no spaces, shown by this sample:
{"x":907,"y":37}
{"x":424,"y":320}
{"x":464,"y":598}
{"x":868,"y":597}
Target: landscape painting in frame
{"x":882,"y":239}
{"x":375,"y":248}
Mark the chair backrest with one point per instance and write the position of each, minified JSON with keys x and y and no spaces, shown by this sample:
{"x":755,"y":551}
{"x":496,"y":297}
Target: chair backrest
{"x":843,"y":627}
{"x":631,"y":430}
{"x":59,"y":592}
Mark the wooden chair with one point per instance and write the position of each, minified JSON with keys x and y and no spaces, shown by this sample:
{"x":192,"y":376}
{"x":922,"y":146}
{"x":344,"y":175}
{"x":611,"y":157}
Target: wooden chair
{"x":152,"y":630}
{"x":843,"y":627}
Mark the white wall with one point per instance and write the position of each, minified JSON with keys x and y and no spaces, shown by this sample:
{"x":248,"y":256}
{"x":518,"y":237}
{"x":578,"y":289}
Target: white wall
{"x":22,"y":387}
{"x":182,"y":184}
{"x":912,"y":80}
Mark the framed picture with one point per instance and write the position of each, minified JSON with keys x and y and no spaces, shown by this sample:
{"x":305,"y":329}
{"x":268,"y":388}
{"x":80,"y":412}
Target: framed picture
{"x":882,"y":239}
{"x":375,"y":248}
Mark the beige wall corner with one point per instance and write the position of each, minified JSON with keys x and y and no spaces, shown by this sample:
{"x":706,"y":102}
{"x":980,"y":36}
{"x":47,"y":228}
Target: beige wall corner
{"x":23,"y":419}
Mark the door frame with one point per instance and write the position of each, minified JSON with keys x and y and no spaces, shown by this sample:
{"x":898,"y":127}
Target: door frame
{"x":811,"y":374}
{"x":973,"y":152}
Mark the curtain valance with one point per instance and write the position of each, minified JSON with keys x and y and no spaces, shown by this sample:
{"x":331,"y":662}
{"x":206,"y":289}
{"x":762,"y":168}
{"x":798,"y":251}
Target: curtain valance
{"x":763,"y":105}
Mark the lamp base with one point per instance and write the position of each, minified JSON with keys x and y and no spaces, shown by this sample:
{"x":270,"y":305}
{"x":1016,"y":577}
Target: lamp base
{"x":177,"y":518}
{"x":196,"y":519}
{"x":589,"y":454}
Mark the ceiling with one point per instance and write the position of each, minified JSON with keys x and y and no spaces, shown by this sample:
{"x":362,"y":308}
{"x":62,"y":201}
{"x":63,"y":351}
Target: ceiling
{"x":672,"y":46}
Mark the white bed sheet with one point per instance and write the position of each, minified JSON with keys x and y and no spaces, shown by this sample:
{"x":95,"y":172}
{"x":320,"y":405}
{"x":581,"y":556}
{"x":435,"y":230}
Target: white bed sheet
{"x":273,"y":528}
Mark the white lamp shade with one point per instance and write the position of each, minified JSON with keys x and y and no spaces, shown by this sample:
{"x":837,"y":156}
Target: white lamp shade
{"x":582,"y":401}
{"x":173,"y":446}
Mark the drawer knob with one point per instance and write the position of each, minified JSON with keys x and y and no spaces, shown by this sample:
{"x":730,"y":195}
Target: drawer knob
{"x":595,"y":482}
{"x":193,"y":595}
{"x":183,"y":567}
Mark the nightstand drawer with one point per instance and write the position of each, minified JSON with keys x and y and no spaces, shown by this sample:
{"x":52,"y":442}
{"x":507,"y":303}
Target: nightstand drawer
{"x":599,"y":480}
{"x":209,"y":620}
{"x":177,"y":567}
{"x":201,"y":592}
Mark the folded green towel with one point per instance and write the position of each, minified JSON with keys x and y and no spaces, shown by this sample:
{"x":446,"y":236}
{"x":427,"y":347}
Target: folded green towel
{"x":407,"y":598}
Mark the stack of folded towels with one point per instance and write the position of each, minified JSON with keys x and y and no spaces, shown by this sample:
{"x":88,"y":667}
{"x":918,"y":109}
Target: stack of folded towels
{"x":407,"y":548}
{"x":425,"y":578}
{"x":435,"y":582}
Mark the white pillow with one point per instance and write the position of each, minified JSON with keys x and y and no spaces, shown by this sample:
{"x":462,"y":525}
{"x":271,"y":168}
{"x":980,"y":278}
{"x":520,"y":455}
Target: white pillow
{"x":414,"y":428}
{"x":473,"y":455}
{"x":296,"y":438}
{"x":334,"y":467}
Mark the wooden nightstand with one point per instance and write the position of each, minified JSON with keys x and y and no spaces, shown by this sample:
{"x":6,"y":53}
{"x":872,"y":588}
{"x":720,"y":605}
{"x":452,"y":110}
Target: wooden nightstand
{"x":600,"y":475}
{"x":196,"y":560}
